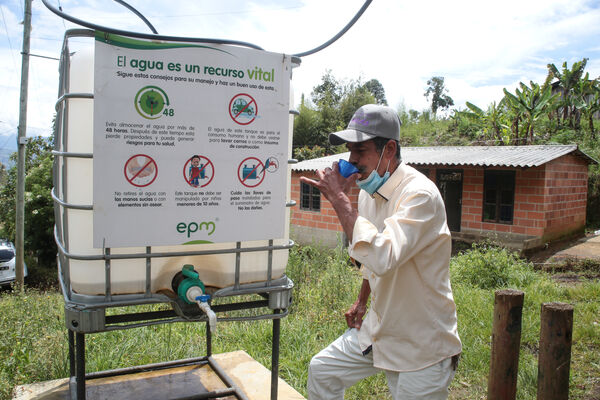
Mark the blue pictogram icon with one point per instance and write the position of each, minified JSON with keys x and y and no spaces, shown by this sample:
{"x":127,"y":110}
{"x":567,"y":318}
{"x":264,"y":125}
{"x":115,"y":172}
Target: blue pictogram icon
{"x":249,"y":172}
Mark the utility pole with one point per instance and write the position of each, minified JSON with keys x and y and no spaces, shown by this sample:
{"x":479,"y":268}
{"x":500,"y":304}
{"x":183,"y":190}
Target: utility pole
{"x":21,"y":145}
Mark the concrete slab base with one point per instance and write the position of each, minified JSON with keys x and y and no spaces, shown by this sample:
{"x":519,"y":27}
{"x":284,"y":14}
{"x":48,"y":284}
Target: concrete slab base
{"x":586,"y":248}
{"x":249,"y":375}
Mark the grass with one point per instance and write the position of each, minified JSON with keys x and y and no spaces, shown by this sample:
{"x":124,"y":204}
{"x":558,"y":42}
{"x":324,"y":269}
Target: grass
{"x":34,"y":346}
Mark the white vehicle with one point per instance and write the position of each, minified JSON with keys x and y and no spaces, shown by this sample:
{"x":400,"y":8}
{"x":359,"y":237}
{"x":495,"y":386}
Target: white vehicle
{"x":7,"y":263}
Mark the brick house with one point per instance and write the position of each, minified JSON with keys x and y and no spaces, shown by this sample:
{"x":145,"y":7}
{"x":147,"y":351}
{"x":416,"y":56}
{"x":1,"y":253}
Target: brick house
{"x":524,"y":196}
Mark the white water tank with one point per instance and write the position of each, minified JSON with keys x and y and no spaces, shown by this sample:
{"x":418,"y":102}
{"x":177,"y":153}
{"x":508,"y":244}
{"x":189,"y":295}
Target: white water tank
{"x":74,"y":186}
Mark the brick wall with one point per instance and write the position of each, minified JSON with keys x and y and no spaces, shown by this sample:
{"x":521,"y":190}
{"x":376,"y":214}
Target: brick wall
{"x":565,"y":196}
{"x":472,"y":198}
{"x":530,"y":202}
{"x":550,"y":200}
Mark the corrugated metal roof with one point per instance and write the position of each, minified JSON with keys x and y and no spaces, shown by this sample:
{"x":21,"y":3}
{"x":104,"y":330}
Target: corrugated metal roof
{"x":485,"y":156}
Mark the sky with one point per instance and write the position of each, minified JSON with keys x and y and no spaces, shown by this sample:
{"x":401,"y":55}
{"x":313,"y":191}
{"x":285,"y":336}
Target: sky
{"x":478,"y":46}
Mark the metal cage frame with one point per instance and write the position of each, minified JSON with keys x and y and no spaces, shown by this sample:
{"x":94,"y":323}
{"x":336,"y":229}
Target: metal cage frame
{"x":87,"y":313}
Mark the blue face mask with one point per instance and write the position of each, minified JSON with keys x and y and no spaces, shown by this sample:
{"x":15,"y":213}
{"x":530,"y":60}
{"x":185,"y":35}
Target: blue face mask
{"x":374,"y":181}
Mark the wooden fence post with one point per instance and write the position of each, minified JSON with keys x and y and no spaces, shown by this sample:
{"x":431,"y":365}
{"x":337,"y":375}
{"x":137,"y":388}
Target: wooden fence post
{"x":554,"y":363}
{"x":506,"y":339}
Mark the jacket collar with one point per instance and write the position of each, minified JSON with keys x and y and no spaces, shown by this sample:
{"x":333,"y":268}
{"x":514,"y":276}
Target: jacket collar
{"x":387,"y":189}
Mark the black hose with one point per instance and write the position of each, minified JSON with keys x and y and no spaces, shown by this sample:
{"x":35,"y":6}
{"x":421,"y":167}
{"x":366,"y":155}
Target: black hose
{"x":145,"y":35}
{"x":77,"y":21}
{"x":139,"y":14}
{"x":340,"y":33}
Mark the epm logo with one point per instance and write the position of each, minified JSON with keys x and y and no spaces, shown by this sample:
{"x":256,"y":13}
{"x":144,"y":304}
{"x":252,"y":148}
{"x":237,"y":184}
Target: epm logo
{"x":193,"y":227}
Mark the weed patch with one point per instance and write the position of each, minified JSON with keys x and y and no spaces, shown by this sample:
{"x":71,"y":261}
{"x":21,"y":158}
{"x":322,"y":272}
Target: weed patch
{"x":486,"y":266}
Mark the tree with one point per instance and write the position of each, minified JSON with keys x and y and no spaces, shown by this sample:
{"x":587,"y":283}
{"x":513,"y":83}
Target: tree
{"x":332,"y":105}
{"x":355,"y":96}
{"x":2,"y":174}
{"x":326,"y":97}
{"x":306,"y":126}
{"x":376,"y":89}
{"x":39,"y":206}
{"x":439,"y":99}
{"x":329,"y":92}
{"x":413,"y":115}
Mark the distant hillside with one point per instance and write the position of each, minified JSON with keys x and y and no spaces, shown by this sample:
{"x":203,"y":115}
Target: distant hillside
{"x":8,"y":145}
{"x":8,"y":142}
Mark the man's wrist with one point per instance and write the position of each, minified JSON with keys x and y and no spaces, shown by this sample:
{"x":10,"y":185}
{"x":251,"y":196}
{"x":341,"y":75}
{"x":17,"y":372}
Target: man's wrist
{"x":340,"y":198}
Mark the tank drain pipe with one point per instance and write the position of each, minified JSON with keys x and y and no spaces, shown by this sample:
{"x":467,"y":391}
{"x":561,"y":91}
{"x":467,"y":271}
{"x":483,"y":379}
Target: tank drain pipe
{"x":195,"y":294}
{"x":192,"y":290}
{"x":202,"y":302}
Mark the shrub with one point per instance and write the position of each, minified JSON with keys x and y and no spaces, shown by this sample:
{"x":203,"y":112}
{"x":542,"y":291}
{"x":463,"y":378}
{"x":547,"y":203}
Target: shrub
{"x":487,"y":266}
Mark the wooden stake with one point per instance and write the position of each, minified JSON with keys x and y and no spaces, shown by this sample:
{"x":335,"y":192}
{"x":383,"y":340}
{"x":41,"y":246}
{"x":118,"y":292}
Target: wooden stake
{"x":506,"y":339}
{"x":556,"y":334}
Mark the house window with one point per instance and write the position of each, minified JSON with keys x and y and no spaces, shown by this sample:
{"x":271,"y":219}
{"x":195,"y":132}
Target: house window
{"x":310,"y":197}
{"x":499,"y":196}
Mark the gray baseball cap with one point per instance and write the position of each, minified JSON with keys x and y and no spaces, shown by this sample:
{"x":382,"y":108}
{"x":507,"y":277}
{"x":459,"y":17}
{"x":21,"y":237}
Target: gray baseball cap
{"x":368,"y":122}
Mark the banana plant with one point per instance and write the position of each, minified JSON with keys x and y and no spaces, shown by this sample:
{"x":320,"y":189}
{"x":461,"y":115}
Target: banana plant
{"x":587,"y":100}
{"x":515,"y":115}
{"x":532,"y":102}
{"x":491,"y":121}
{"x":568,"y":79}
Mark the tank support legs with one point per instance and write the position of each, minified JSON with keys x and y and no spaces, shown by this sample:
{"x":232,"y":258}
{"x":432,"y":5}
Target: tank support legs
{"x":275,"y":355}
{"x":78,"y":378}
{"x":208,"y":340}
{"x":71,"y":352}
{"x":77,"y":364}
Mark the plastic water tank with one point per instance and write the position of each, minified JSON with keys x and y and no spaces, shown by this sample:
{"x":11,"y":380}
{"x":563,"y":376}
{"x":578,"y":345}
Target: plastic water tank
{"x":128,"y":276}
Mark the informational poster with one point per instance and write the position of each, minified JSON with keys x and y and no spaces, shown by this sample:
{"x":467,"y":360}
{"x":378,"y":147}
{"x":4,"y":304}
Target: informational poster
{"x":190,"y":142}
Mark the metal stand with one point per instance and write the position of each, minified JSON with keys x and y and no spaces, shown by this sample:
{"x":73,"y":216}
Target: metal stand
{"x":78,"y":376}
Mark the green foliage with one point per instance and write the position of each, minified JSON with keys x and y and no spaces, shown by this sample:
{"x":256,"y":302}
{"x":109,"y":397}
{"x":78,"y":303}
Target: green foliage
{"x":2,"y":175}
{"x":565,"y":135}
{"x":356,"y":96}
{"x":308,"y":153}
{"x":568,"y":81}
{"x":560,"y":112}
{"x":439,"y":99}
{"x":376,"y":89}
{"x":530,"y":103}
{"x":306,"y":126}
{"x":490,"y":126}
{"x":431,"y":132}
{"x":39,"y":244}
{"x":587,"y":101}
{"x":331,"y":107}
{"x":329,"y":92}
{"x":34,"y":341}
{"x":486,"y":266}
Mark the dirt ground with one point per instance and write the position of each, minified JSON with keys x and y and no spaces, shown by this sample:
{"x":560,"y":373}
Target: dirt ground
{"x":587,"y":247}
{"x":570,"y":260}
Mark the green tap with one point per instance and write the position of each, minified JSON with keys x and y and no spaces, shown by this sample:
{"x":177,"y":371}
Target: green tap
{"x":191,"y":280}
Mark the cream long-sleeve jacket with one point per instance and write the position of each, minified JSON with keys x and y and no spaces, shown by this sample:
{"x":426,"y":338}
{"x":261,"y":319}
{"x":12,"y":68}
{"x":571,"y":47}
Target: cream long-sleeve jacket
{"x":403,"y":243}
